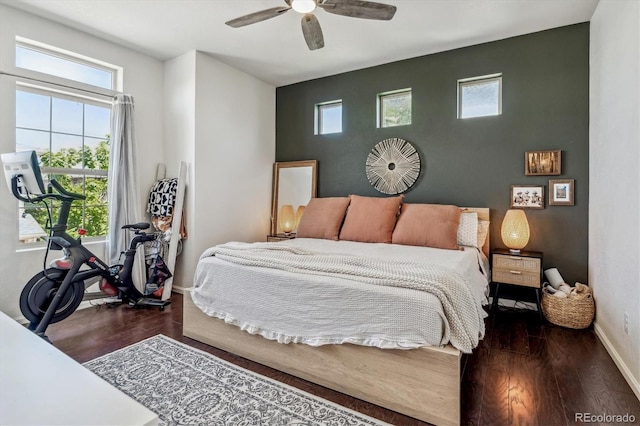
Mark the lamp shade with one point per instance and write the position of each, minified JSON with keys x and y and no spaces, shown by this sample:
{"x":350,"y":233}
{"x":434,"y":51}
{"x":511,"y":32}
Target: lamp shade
{"x":299,"y":214}
{"x":515,"y":230}
{"x":287,"y":219}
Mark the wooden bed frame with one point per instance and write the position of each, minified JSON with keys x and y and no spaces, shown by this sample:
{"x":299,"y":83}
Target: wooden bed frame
{"x":423,"y":383}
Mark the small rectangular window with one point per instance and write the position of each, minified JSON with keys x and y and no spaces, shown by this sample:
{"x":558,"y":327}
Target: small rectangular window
{"x":329,"y":117}
{"x":58,"y":64}
{"x":480,"y":96}
{"x":394,"y":108}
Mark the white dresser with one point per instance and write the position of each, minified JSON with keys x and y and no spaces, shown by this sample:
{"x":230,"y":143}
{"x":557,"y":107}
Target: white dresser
{"x":40,"y":385}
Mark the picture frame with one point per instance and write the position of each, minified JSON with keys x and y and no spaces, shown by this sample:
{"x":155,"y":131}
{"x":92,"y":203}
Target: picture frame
{"x":527,"y":197}
{"x":561,"y":192}
{"x":543,"y":163}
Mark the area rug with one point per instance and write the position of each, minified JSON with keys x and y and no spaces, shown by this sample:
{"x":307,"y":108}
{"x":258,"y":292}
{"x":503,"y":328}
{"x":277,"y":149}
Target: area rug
{"x":186,"y":386}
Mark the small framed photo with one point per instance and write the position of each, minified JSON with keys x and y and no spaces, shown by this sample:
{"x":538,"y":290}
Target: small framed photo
{"x":527,"y":196}
{"x":542,"y":163}
{"x":561,"y":192}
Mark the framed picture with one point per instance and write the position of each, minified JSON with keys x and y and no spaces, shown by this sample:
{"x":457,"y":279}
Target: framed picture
{"x":561,"y":192}
{"x":542,"y":163}
{"x":527,"y":196}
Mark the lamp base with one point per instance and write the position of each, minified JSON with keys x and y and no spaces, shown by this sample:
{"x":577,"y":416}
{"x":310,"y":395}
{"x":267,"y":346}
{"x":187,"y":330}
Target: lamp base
{"x":514,"y":251}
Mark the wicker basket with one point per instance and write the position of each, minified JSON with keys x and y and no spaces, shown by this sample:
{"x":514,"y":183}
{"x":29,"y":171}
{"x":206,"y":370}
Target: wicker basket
{"x":575,"y":311}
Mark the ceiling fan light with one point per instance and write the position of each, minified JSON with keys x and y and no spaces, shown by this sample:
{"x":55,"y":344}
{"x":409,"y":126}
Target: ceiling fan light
{"x":303,"y":6}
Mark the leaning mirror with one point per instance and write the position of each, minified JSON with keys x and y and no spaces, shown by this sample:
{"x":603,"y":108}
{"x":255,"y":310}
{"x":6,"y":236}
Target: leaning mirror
{"x":294,"y":184}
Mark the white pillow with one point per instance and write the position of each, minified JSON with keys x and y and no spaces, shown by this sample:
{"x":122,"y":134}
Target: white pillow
{"x":472,"y":232}
{"x":468,"y":229}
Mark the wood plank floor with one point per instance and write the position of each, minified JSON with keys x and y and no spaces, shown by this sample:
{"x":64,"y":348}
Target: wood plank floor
{"x":523,"y":372}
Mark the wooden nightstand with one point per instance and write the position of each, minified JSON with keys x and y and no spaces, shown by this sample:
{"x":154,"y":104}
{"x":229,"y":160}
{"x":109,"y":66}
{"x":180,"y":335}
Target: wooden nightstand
{"x":523,"y":269}
{"x":279,"y":237}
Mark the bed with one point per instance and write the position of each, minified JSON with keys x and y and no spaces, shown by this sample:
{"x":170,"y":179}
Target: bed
{"x":399,"y":372}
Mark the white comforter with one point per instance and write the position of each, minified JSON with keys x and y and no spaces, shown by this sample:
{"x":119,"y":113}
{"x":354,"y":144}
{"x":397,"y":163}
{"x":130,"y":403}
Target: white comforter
{"x":317,"y":309}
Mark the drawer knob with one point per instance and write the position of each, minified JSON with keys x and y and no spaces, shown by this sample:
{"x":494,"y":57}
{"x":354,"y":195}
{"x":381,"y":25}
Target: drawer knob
{"x":515,"y":258}
{"x":515,"y":272}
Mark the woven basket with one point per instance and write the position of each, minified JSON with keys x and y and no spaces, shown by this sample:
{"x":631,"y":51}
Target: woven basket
{"x":575,"y":311}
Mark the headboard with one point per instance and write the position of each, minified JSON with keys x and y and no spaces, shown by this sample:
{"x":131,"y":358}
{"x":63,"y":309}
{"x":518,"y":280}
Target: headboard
{"x":483,"y":214}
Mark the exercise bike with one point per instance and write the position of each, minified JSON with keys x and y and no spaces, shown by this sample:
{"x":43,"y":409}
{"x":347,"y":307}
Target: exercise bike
{"x":56,"y":292}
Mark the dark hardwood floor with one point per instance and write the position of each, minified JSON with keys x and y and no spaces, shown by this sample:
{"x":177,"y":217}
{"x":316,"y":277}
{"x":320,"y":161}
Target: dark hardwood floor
{"x":523,"y":372}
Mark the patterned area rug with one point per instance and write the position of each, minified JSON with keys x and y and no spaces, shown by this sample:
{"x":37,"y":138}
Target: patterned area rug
{"x":186,"y":386}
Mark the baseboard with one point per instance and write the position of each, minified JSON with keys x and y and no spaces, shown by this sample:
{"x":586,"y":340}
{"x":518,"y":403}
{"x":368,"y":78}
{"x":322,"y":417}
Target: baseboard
{"x":83,"y":305}
{"x":178,"y":289}
{"x":633,"y":381}
{"x":21,"y":320}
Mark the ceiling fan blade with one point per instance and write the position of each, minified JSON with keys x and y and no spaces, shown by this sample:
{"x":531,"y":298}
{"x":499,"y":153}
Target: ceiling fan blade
{"x":359,"y":9}
{"x":312,"y":32}
{"x":252,"y":18}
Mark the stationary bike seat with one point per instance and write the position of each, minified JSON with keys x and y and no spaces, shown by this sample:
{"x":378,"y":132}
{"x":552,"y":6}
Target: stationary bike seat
{"x":139,"y":225}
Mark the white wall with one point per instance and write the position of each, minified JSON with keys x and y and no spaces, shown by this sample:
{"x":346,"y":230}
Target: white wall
{"x":180,"y":142}
{"x":229,"y":193}
{"x":614,"y":175}
{"x":143,"y":78}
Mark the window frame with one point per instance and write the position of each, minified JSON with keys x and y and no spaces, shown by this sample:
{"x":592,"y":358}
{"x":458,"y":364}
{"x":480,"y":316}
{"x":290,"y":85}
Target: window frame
{"x":476,"y":81}
{"x":380,"y":121}
{"x":318,"y":117}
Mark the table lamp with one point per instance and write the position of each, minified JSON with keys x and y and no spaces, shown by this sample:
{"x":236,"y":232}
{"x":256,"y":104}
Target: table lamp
{"x":515,"y":230}
{"x":287,"y":219}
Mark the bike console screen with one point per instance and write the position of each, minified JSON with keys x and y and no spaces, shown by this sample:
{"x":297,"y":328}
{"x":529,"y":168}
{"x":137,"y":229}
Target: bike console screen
{"x":25,"y":165}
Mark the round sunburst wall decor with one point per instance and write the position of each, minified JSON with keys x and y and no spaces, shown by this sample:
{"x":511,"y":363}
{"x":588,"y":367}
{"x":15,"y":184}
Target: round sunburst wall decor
{"x":393,"y":166}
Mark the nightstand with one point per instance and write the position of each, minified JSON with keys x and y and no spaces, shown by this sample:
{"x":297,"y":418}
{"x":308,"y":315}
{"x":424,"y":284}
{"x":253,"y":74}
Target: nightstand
{"x":523,"y":269}
{"x":279,"y":237}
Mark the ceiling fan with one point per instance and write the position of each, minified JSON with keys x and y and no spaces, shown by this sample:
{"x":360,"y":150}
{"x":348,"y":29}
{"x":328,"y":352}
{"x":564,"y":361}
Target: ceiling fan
{"x":310,"y":25}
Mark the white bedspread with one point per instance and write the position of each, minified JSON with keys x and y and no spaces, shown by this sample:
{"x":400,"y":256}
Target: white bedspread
{"x":317,"y":309}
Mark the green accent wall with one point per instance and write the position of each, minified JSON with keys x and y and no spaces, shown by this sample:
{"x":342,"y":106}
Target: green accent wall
{"x":469,"y":162}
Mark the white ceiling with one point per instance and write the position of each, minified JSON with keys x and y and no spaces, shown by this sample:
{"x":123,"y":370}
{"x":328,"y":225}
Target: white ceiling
{"x":275,"y":51}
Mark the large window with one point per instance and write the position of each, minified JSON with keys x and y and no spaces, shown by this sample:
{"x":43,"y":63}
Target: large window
{"x":394,"y":108}
{"x":69,"y":130}
{"x":71,"y":138}
{"x":480,"y":96}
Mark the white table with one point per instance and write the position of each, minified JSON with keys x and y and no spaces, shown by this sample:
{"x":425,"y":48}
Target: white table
{"x":40,"y":385}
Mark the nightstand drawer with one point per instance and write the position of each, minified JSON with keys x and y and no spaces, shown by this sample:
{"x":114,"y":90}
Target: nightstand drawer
{"x":519,"y":277}
{"x":516,"y":263}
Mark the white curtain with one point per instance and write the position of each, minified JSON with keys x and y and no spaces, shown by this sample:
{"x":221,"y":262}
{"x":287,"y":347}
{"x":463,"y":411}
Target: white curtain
{"x":124,"y":199}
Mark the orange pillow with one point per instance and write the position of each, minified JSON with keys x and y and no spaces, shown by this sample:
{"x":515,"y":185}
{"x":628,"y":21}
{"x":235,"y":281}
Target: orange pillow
{"x":322,"y":218}
{"x":429,"y":225}
{"x":370,"y":219}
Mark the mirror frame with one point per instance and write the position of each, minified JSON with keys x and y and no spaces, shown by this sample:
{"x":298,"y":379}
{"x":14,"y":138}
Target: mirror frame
{"x":275,"y":185}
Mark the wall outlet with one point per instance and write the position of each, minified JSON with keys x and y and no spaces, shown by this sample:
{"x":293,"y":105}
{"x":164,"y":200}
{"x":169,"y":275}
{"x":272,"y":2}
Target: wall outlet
{"x":626,"y":323}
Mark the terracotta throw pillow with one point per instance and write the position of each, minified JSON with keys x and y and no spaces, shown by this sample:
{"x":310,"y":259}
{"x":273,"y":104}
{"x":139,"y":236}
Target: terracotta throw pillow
{"x":370,"y":219}
{"x":322,"y":218}
{"x":428,"y":225}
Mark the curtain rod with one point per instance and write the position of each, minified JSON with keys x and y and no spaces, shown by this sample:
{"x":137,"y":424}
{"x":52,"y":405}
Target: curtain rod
{"x":57,"y":84}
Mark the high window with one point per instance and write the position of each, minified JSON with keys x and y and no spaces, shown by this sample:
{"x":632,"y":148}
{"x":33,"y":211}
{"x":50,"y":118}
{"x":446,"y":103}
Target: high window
{"x":480,"y":96}
{"x":394,"y":108}
{"x":328,"y":117}
{"x":69,"y":130}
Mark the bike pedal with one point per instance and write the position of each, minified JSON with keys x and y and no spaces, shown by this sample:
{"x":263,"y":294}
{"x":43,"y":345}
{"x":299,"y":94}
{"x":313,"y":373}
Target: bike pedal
{"x":109,"y":300}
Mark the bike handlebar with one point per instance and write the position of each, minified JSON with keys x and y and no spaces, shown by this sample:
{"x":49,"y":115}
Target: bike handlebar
{"x":62,"y":195}
{"x":54,"y":183}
